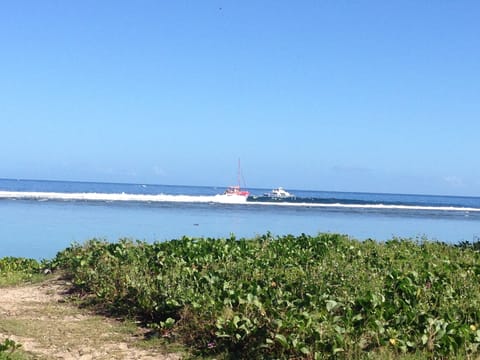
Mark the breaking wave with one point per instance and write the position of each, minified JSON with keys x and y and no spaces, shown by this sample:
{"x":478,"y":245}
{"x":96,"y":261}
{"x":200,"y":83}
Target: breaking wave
{"x":218,"y":199}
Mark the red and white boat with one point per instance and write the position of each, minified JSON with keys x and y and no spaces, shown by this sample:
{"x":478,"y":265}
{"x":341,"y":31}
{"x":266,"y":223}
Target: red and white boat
{"x":236,"y":190}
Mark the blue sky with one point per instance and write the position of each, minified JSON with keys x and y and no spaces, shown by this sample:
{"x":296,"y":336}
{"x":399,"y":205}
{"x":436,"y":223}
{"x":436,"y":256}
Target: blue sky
{"x":376,"y":96}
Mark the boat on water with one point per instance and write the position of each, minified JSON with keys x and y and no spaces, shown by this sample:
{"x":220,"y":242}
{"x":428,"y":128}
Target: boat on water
{"x":279,"y":193}
{"x":236,"y":190}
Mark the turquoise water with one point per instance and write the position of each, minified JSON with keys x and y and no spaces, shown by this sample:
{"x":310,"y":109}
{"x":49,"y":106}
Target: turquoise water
{"x":40,"y":227}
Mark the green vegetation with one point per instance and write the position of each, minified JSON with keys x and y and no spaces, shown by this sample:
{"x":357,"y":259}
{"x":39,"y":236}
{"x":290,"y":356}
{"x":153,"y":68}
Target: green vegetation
{"x":15,"y":270}
{"x":313,"y":297}
{"x":8,"y":350}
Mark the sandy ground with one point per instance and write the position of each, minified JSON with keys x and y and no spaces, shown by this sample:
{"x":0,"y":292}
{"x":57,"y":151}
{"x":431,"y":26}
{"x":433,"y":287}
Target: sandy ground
{"x":38,"y":317}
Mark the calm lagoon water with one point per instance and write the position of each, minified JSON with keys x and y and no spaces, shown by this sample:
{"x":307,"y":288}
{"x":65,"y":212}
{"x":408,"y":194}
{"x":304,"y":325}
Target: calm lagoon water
{"x":39,"y":228}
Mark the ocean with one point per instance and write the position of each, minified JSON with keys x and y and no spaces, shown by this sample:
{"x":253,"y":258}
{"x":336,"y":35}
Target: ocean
{"x":39,"y":218}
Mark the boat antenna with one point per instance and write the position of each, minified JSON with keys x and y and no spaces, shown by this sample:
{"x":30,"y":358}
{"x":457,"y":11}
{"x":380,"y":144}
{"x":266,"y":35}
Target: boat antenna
{"x":240,"y":175}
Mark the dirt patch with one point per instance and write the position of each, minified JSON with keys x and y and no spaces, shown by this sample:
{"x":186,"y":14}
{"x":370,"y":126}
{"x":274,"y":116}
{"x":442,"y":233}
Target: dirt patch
{"x":38,"y":317}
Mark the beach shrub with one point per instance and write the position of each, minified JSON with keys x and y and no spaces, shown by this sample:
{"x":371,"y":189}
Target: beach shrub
{"x":18,"y":264}
{"x":14,"y":270}
{"x":291,"y":296}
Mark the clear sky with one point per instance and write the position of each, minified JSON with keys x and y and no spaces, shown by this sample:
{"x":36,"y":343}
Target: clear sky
{"x":376,"y":96}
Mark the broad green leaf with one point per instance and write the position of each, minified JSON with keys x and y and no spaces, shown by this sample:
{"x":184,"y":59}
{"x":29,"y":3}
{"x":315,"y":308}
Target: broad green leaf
{"x":331,"y":304}
{"x":281,"y":339}
{"x":304,"y":350}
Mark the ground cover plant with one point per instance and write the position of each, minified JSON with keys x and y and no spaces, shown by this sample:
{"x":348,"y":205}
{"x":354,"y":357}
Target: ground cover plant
{"x":14,"y":270}
{"x":8,"y":350}
{"x":291,"y":296}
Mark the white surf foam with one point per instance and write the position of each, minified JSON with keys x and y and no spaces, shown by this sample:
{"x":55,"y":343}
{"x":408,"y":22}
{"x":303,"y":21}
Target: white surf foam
{"x":33,"y":195}
{"x":374,"y":206}
{"x":220,"y":199}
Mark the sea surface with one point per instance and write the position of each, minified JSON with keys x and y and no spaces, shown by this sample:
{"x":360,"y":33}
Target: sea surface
{"x":40,"y":218}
